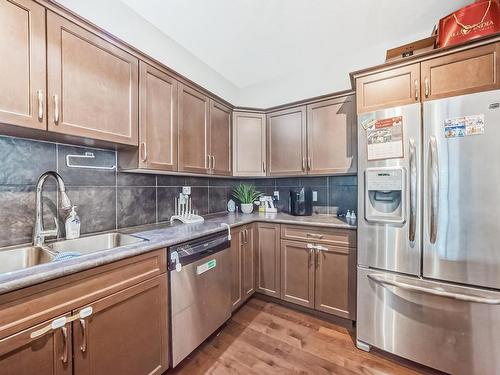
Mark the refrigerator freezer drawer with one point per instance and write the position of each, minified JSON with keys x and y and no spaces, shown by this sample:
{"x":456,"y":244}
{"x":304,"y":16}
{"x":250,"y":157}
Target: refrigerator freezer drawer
{"x":451,"y":328}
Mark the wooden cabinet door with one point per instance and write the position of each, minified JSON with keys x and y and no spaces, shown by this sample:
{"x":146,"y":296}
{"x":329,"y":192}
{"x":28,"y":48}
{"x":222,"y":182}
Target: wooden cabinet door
{"x":236,"y":266}
{"x":268,"y":259}
{"x":157,"y":119}
{"x":194,"y":130}
{"x":127,"y":332}
{"x":249,"y":144}
{"x":248,"y":265}
{"x":336,"y":281}
{"x":49,"y":354}
{"x":286,"y":136}
{"x":22,"y":64}
{"x":461,"y":73}
{"x":331,"y":136}
{"x":389,"y":88}
{"x":220,"y":139}
{"x":92,"y":85}
{"x":297,"y":273}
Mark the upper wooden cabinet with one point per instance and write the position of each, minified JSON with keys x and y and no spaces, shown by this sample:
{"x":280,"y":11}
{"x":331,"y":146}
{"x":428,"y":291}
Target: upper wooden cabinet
{"x":268,"y":259}
{"x":249,"y":144}
{"x":158,"y":119}
{"x":92,"y":85}
{"x":194,"y":130}
{"x":22,"y":64}
{"x":286,"y":137}
{"x":461,"y":73}
{"x":331,"y":136}
{"x":389,"y":88}
{"x":220,"y":139}
{"x":297,"y":273}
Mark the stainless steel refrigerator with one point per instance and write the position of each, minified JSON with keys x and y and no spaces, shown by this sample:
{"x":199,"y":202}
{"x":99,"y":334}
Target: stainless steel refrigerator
{"x":429,"y":233}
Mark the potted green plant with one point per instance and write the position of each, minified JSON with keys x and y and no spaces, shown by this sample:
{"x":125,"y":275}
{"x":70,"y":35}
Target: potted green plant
{"x":247,"y":195}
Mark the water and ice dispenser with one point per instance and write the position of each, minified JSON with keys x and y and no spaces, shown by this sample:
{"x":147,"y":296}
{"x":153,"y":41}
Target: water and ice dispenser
{"x":385,"y":198}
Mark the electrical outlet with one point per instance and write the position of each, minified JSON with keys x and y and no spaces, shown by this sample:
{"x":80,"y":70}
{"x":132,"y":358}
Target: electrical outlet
{"x":186,"y":190}
{"x":277,"y":195}
{"x":315,"y":196}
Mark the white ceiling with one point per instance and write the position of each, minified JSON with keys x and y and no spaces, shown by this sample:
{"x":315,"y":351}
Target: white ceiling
{"x":269,"y":52}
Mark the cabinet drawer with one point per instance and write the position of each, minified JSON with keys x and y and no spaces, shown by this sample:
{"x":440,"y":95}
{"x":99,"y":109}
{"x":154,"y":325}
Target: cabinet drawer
{"x":26,"y":307}
{"x":330,"y":236}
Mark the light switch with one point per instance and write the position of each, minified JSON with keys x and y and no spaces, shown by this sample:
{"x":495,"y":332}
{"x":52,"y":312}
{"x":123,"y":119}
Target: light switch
{"x":315,"y":196}
{"x":277,"y":195}
{"x":186,"y":190}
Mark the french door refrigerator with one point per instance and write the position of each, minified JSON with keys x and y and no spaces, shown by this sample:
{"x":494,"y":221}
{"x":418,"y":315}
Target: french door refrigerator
{"x":429,"y":235}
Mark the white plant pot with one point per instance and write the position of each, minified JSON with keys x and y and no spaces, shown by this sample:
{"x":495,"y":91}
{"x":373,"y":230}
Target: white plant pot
{"x":247,"y":208}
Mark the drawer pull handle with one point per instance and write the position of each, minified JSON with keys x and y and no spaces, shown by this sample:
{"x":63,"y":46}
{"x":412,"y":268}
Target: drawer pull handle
{"x":56,"y":109}
{"x":39,"y":94}
{"x":64,"y":356}
{"x":83,"y":347}
{"x":314,"y":235}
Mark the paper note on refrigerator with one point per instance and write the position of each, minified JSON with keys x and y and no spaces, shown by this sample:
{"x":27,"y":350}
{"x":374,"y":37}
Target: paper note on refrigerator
{"x":385,"y":139}
{"x":464,"y":126}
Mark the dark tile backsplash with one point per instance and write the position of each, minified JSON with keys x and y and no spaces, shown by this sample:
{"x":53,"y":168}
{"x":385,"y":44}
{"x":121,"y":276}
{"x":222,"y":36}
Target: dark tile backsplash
{"x":108,"y":200}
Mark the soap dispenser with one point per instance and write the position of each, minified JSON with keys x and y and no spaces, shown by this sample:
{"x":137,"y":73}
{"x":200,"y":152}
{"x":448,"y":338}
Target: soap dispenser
{"x":72,"y":225}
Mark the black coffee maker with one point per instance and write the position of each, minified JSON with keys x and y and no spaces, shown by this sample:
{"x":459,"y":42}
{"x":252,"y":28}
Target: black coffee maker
{"x":300,"y":203}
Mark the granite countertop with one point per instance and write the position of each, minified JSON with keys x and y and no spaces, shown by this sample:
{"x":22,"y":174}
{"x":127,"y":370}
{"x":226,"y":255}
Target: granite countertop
{"x":158,"y":236}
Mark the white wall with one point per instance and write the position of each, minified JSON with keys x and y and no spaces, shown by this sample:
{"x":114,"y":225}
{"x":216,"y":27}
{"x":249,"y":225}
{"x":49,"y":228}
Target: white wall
{"x":121,"y":21}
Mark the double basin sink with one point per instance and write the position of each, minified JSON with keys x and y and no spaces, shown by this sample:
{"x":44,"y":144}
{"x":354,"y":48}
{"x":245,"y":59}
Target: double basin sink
{"x":23,"y":257}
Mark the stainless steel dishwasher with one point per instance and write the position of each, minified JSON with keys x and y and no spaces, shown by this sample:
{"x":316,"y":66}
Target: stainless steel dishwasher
{"x":200,"y":271}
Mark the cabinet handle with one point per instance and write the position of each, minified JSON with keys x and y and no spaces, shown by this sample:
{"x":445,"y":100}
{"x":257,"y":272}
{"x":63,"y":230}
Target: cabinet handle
{"x":303,"y":164}
{"x":416,"y":90}
{"x":213,"y":162}
{"x":39,"y":95}
{"x":144,"y":151}
{"x":209,"y":157}
{"x":264,"y":166}
{"x":309,"y":163}
{"x":56,"y":109}
{"x":426,"y":87}
{"x":83,"y":347}
{"x":314,"y":235}
{"x":245,"y":235}
{"x":64,"y":356}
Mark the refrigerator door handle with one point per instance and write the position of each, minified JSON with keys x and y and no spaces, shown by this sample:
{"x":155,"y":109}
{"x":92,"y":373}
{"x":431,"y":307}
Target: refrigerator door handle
{"x":434,"y":188}
{"x":413,"y":190}
{"x":384,"y":281}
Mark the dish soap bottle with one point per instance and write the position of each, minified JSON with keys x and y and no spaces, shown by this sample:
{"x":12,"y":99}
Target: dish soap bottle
{"x":72,"y":225}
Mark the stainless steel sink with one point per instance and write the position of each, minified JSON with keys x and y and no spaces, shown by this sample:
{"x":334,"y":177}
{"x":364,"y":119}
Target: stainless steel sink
{"x":23,"y":257}
{"x":91,"y":244}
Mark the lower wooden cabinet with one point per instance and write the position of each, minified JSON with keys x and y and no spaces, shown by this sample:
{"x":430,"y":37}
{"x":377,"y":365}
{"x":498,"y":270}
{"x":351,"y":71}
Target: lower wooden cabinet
{"x":335,"y":281}
{"x":125,"y":333}
{"x":297,"y":273}
{"x":243,"y":264}
{"x":268,"y":258}
{"x":49,"y":354}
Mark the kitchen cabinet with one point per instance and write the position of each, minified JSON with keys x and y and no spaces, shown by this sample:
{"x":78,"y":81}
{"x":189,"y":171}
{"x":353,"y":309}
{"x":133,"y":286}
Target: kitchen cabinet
{"x":220,"y":152}
{"x":92,"y":85}
{"x":460,"y":73}
{"x":157,"y":123}
{"x":286,"y":137}
{"x":249,"y":144}
{"x":390,"y":88}
{"x":125,"y":333}
{"x":22,"y":66}
{"x":297,"y":273}
{"x":335,"y":285}
{"x":243,"y":264}
{"x":194,"y":131}
{"x":49,"y":354}
{"x":268,"y":259}
{"x":331,"y":136}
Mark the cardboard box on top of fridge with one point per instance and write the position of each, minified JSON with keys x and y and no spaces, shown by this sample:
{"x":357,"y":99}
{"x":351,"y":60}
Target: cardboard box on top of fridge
{"x":476,"y":20}
{"x":411,"y":49}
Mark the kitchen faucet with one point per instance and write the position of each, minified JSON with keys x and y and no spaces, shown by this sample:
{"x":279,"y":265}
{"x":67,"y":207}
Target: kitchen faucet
{"x":39,"y":233}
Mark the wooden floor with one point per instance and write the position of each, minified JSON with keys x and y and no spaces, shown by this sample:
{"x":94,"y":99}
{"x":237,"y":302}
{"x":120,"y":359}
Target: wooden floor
{"x":267,"y":338}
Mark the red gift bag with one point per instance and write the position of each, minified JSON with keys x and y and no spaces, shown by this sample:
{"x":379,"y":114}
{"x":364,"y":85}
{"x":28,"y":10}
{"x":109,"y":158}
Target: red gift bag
{"x":473,"y":21}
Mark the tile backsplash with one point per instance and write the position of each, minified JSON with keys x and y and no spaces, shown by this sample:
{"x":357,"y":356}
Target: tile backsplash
{"x":108,"y":200}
